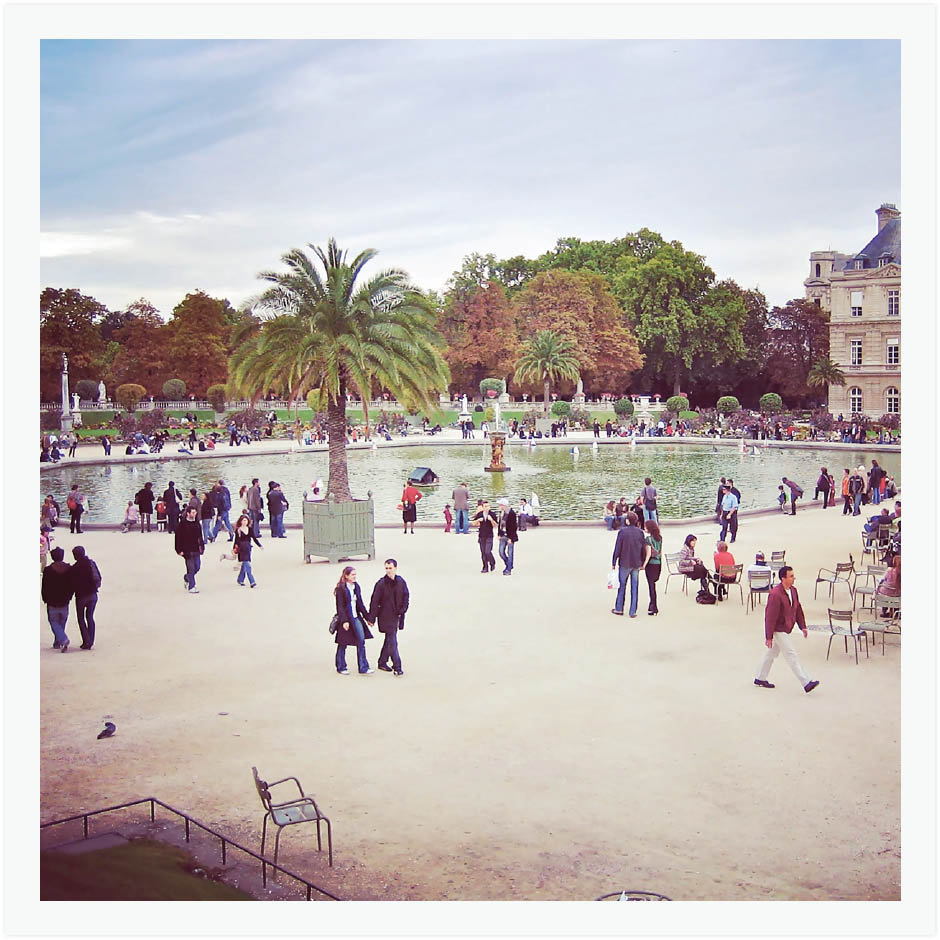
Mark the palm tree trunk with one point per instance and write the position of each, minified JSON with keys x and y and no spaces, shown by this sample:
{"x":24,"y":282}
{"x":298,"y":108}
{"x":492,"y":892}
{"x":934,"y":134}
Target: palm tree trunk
{"x":338,"y":480}
{"x":546,"y":397}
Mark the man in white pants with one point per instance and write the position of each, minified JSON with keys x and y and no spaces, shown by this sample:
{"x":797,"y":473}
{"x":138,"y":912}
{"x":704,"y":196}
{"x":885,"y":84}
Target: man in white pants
{"x":783,"y":612}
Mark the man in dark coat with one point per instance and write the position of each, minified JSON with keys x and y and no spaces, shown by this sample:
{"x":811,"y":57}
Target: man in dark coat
{"x":190,"y":544}
{"x":629,"y":551}
{"x":57,"y":592}
{"x":277,"y":505}
{"x":222,"y":500}
{"x":86,"y":579}
{"x":390,"y":598}
{"x":508,"y":528}
{"x":783,"y":612}
{"x":144,"y":500}
{"x":171,"y":497}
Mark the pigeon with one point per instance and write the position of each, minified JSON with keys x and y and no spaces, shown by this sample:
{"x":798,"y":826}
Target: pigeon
{"x":109,"y":729}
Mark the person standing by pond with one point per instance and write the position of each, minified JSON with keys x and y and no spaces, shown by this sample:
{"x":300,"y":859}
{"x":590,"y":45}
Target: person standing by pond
{"x":487,"y":523}
{"x":822,"y":486}
{"x":729,"y":514}
{"x":144,"y":501}
{"x":75,"y":503}
{"x":648,"y":495}
{"x":353,"y":626}
{"x":796,"y":491}
{"x":409,"y":506}
{"x":171,"y":498}
{"x":628,"y":558}
{"x":653,"y":562}
{"x":461,"y":498}
{"x":253,"y":504}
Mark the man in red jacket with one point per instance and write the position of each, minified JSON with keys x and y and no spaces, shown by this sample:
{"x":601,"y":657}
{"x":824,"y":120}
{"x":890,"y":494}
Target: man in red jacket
{"x":782,"y":613}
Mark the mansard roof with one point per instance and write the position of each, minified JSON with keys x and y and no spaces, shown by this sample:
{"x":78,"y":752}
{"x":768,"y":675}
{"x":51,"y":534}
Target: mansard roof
{"x":887,"y":243}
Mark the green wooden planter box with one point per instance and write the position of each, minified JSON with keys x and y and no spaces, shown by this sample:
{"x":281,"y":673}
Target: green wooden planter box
{"x":339,"y":530}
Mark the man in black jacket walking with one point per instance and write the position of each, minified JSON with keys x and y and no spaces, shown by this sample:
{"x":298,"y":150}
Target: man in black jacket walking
{"x":86,"y":579}
{"x":508,"y":527}
{"x":190,"y":544}
{"x":387,"y":608}
{"x":57,"y":592}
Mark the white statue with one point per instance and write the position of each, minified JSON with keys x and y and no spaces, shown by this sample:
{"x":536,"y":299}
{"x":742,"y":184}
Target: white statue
{"x":102,"y":392}
{"x":464,"y":400}
{"x":75,"y":401}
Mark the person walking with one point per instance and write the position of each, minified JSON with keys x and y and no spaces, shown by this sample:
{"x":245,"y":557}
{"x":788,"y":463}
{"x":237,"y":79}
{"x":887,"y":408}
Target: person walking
{"x":796,"y":491}
{"x":144,"y":501}
{"x":597,"y":429}
{"x":57,"y":593}
{"x":222,"y":500}
{"x":409,"y":506}
{"x":171,"y":499}
{"x":875,"y":476}
{"x":729,"y":514}
{"x":206,"y":512}
{"x":487,"y":523}
{"x":253,"y":503}
{"x":822,"y":486}
{"x":242,"y":550}
{"x":461,"y":498}
{"x":857,"y":489}
{"x":508,"y":535}
{"x":390,"y":599}
{"x":75,"y":503}
{"x":86,"y":580}
{"x":718,"y":499}
{"x":846,"y":493}
{"x":190,"y":545}
{"x":783,"y":611}
{"x":194,"y":499}
{"x":652,"y":563}
{"x":353,"y":626}
{"x":628,"y":557}
{"x":648,"y":495}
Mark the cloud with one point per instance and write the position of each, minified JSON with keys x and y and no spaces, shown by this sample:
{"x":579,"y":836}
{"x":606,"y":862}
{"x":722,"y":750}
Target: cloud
{"x":64,"y":244}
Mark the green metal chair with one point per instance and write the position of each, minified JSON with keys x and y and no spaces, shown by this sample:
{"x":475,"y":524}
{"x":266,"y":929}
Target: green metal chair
{"x":840,"y":624}
{"x":884,"y":625}
{"x":728,"y":576}
{"x":672,"y":567}
{"x":841,"y":575}
{"x":301,"y":809}
{"x":758,"y":584}
{"x":872,"y":577}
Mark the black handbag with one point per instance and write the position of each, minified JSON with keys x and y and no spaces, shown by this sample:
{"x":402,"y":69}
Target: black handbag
{"x":334,"y":623}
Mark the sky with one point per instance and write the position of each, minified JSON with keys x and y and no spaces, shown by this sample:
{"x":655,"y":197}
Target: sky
{"x":168,"y":166}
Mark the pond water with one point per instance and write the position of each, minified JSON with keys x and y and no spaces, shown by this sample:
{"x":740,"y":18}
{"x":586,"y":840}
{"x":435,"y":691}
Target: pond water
{"x":569,"y":487}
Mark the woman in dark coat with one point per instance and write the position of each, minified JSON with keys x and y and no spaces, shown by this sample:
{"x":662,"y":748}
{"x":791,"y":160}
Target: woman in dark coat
{"x":353,"y":627}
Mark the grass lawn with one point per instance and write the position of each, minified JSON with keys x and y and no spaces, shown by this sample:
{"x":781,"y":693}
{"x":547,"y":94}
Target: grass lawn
{"x":141,"y":870}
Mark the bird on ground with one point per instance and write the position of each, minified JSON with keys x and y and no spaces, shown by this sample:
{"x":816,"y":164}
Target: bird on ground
{"x":109,"y":729}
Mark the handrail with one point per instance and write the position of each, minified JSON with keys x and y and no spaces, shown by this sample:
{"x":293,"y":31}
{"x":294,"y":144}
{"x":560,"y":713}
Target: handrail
{"x":225,"y":840}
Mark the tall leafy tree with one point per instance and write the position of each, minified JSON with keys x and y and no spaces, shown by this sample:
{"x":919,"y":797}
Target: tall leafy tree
{"x":324,"y":328}
{"x":678,"y":320}
{"x":546,"y":357}
{"x":797,"y":338}
{"x":198,"y":335}
{"x":480,"y":332}
{"x":579,"y":305}
{"x":141,"y":357}
{"x":68,"y":323}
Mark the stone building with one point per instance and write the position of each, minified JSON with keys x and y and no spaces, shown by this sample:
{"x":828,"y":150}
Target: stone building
{"x":862,"y":293}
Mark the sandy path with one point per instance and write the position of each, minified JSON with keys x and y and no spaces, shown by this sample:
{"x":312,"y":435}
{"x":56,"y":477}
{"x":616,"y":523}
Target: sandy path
{"x":536,"y":748}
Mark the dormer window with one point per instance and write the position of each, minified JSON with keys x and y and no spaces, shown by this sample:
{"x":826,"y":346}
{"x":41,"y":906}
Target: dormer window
{"x":858,"y":264}
{"x":883,"y":260}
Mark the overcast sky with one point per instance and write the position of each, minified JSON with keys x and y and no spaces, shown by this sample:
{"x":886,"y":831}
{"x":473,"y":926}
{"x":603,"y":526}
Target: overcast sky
{"x":170,"y":166}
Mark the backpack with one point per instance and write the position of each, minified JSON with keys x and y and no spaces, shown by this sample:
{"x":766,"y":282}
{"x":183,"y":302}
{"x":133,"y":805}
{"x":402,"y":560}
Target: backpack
{"x":704,"y":597}
{"x":95,"y":574}
{"x":70,"y":503}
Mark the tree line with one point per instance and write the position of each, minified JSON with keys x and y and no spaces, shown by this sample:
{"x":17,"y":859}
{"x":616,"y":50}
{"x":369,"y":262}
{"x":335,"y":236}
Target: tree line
{"x":635,"y":314}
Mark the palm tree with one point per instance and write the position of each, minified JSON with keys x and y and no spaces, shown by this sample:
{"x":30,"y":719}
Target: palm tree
{"x":322,"y":328}
{"x":546,"y":356}
{"x":823,"y":373}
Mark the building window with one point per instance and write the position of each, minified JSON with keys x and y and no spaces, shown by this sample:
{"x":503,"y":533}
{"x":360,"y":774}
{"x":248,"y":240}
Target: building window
{"x":892,"y":401}
{"x":859,"y":264}
{"x":894,"y":303}
{"x":893,"y":357}
{"x":817,"y":301}
{"x":855,"y":302}
{"x":818,"y":270}
{"x":855,"y":352}
{"x":882,"y":262}
{"x":855,"y":400}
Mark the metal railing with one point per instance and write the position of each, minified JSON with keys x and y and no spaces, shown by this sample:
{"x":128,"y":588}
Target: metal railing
{"x":190,"y":821}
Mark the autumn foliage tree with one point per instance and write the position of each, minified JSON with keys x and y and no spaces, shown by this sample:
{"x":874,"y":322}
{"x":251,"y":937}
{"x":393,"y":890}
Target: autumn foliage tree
{"x":481,"y":336}
{"x":580,"y":306}
{"x":197,"y":341}
{"x":142,"y":352}
{"x":68,"y":324}
{"x":797,"y":339}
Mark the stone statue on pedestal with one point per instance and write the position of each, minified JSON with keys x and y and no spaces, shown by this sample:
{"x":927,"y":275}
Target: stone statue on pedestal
{"x":102,"y":392}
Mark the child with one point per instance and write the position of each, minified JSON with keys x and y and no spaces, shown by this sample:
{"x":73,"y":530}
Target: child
{"x":131,"y":517}
{"x":448,"y":517}
{"x":161,"y":515}
{"x":782,"y":499}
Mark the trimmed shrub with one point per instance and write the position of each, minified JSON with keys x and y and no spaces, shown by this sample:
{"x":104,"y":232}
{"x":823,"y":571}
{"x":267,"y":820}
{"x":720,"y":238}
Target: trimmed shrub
{"x":489,"y":414}
{"x":688,"y":415}
{"x":770,"y":403}
{"x":727,"y":404}
{"x":676,"y":404}
{"x":87,"y":389}
{"x":174,"y":389}
{"x":315,"y":401}
{"x":128,"y":396}
{"x":561,"y":409}
{"x":496,"y":385}
{"x":624,"y":407}
{"x":216,"y":397}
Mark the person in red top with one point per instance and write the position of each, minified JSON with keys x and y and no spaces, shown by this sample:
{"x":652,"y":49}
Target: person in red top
{"x":409,"y":506}
{"x":782,"y":613}
{"x":723,"y":557}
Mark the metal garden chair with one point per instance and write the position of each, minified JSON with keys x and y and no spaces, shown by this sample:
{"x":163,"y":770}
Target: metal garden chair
{"x":672,"y":566}
{"x":884,"y":625}
{"x":758,"y":583}
{"x":840,"y":624}
{"x":732,"y":572}
{"x":840,"y":576}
